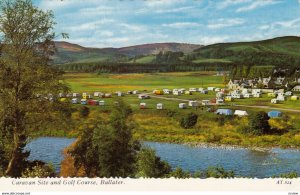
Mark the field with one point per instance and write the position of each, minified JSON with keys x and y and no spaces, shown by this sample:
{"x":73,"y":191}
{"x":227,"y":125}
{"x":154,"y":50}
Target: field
{"x":87,"y":82}
{"x":163,"y":125}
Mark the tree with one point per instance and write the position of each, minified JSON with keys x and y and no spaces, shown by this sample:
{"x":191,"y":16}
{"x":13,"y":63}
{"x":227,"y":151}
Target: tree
{"x":259,"y":123}
{"x":108,"y":150}
{"x":189,"y":120}
{"x":149,"y":165}
{"x":26,"y":79}
{"x":84,"y":111}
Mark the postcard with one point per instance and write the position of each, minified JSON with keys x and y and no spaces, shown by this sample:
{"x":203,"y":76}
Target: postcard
{"x":149,"y":95}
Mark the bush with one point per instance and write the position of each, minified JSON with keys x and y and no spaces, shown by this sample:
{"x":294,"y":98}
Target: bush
{"x":189,"y":121}
{"x":259,"y":123}
{"x":290,"y":175}
{"x":84,"y":111}
{"x":218,"y":172}
{"x":179,"y":173}
{"x":39,"y":170}
{"x":171,"y":113}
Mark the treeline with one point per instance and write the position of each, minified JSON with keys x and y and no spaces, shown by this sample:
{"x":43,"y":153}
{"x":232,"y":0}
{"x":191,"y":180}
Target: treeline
{"x":111,"y":67}
{"x":249,"y":56}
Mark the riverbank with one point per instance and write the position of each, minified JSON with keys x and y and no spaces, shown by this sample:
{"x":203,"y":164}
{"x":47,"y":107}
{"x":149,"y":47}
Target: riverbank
{"x":244,"y":162}
{"x":163,"y":126}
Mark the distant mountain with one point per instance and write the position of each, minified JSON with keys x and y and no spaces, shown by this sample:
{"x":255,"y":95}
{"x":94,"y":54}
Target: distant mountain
{"x":272,"y":51}
{"x":69,"y":52}
{"x":155,"y":48}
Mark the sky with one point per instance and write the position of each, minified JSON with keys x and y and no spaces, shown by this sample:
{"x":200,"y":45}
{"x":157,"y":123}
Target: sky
{"x":120,"y":23}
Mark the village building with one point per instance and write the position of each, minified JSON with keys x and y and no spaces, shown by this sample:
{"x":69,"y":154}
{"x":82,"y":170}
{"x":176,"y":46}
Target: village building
{"x":219,"y":101}
{"x":257,"y":95}
{"x":296,"y":88}
{"x":248,"y":95}
{"x":107,"y":95}
{"x":166,"y":91}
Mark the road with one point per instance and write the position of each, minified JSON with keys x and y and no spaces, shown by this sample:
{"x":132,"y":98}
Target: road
{"x":236,"y":105}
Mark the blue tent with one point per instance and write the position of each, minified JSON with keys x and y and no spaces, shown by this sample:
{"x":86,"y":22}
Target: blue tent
{"x":224,"y":112}
{"x":274,"y":114}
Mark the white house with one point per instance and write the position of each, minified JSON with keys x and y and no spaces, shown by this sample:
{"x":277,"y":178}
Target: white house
{"x":256,"y":91}
{"x":240,"y":113}
{"x":248,"y":95}
{"x":237,"y":96}
{"x":257,"y":95}
{"x":296,"y":88}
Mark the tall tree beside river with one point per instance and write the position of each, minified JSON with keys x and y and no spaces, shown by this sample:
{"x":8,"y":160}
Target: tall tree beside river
{"x":26,"y":79}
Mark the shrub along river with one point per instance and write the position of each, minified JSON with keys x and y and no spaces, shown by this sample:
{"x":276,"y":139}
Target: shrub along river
{"x":244,"y":162}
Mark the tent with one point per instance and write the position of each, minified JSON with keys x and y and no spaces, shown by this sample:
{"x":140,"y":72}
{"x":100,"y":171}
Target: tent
{"x":224,"y":112}
{"x":240,"y":113}
{"x":274,"y":114}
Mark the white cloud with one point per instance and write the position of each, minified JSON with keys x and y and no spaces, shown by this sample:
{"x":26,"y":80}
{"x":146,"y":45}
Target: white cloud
{"x":223,"y":23}
{"x":94,"y":11}
{"x":160,"y":3}
{"x":206,"y":40}
{"x":289,"y":24}
{"x":132,"y":27}
{"x":181,"y":25}
{"x":175,"y":10}
{"x":90,"y":25}
{"x":257,"y":4}
{"x":227,"y":3}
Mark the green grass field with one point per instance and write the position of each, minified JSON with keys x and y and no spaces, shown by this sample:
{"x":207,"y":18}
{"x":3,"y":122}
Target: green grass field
{"x":88,"y":82}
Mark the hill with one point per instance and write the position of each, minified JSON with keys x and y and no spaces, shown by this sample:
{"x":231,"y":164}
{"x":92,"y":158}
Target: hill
{"x":73,"y":53}
{"x":280,"y":49}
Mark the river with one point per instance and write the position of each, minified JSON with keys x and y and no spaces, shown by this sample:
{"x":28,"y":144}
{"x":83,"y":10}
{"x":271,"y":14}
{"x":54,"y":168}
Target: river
{"x":244,"y":162}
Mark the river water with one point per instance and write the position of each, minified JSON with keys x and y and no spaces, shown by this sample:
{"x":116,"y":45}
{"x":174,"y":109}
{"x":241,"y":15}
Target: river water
{"x":244,"y":162}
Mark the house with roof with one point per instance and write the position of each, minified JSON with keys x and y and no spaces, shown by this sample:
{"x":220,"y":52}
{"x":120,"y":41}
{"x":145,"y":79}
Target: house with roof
{"x":296,"y":88}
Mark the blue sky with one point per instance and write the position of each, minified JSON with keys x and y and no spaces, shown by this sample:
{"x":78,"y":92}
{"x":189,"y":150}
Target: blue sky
{"x":112,"y":23}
